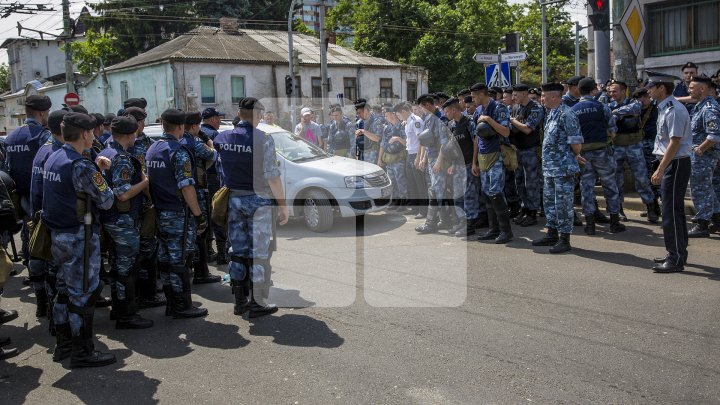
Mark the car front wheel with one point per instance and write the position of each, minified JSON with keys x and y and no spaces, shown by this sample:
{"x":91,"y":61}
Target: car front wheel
{"x":318,"y":211}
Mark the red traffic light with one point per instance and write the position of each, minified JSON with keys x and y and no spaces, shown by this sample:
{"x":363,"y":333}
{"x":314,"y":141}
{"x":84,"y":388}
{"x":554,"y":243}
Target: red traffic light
{"x":599,"y":4}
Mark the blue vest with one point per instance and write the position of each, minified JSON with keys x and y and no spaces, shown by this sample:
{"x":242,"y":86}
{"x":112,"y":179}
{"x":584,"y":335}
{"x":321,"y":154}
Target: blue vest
{"x":20,"y":148}
{"x":59,"y":203}
{"x":132,"y":207}
{"x":338,"y":136}
{"x":190,"y":143}
{"x":38,"y":171}
{"x":161,"y":171}
{"x":242,"y":152}
{"x":593,"y":125}
{"x":491,"y":144}
{"x":211,"y":133}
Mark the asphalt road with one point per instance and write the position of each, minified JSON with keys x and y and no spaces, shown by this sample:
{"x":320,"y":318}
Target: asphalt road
{"x":393,"y":317}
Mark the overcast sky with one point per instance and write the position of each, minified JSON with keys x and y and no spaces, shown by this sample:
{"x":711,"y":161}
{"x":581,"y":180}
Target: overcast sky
{"x":51,"y":21}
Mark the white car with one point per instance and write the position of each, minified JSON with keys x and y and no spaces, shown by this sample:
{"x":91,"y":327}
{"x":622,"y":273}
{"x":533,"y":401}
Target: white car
{"x":318,"y":185}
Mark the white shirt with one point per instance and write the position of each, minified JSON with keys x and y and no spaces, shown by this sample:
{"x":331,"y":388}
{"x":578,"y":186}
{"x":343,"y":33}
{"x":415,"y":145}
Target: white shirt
{"x":413,"y":127}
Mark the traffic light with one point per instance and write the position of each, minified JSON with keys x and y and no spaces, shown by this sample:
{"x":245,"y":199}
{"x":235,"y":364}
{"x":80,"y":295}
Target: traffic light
{"x":600,"y":18}
{"x":512,"y":42}
{"x":288,"y":85}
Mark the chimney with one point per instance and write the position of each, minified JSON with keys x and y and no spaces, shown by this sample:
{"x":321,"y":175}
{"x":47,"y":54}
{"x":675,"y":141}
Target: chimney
{"x":229,"y":25}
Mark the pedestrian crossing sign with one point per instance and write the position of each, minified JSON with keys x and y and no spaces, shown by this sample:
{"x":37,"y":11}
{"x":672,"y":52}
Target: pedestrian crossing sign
{"x":497,"y":77}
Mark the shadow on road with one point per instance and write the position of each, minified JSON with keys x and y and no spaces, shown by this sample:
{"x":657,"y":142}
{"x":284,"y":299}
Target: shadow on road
{"x":344,"y":227}
{"x":16,"y":382}
{"x":621,"y":259}
{"x":296,"y":330}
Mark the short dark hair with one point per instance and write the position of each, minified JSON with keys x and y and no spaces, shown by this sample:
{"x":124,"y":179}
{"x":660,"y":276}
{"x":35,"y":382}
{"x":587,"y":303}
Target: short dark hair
{"x":71,"y":133}
{"x":246,"y":114}
{"x":168,"y":126}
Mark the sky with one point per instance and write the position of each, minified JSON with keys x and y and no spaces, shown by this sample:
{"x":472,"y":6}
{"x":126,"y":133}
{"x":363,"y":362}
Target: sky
{"x":51,"y":21}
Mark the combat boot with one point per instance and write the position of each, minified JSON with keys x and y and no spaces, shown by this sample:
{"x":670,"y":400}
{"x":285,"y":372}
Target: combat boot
{"x":446,"y":218}
{"x":460,"y":229}
{"x":261,"y":308}
{"x":530,"y":219}
{"x":715,"y":223}
{"x":657,"y":208}
{"x":42,"y":303}
{"x":430,"y":225}
{"x":550,"y":238}
{"x":494,"y":229}
{"x":83,"y":349}
{"x":222,"y":258}
{"x":563,"y":244}
{"x":127,"y":317}
{"x":503,"y":217}
{"x":482,"y":221}
{"x":63,"y":342}
{"x":201,"y":271}
{"x":651,"y":215}
{"x":518,"y":219}
{"x":701,"y":230}
{"x":514,"y":209}
{"x":615,"y":225}
{"x":623,"y":217}
{"x":589,"y":224}
{"x":600,"y":216}
{"x":577,"y":221}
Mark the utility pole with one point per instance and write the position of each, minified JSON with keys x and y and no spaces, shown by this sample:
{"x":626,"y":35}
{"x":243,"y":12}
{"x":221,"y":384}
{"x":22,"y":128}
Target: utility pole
{"x":625,"y":59}
{"x":323,"y":62}
{"x":600,"y":19}
{"x":544,"y":41}
{"x":291,"y":13}
{"x":578,"y":28}
{"x":67,"y":35}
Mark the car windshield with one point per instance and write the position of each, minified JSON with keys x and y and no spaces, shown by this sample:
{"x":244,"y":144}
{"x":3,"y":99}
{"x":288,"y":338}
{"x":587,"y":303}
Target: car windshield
{"x":296,"y":149}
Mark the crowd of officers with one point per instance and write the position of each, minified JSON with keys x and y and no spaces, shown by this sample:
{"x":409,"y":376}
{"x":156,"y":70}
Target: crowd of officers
{"x":93,"y":186}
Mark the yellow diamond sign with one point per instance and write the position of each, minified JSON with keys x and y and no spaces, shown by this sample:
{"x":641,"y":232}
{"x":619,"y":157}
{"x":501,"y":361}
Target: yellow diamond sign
{"x":633,"y":25}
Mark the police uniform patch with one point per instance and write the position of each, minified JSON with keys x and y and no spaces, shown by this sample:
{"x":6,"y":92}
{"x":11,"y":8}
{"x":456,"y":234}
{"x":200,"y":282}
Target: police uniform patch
{"x":187,"y":168}
{"x":99,"y":181}
{"x":712,"y":126}
{"x":417,"y":125}
{"x":125,"y":174}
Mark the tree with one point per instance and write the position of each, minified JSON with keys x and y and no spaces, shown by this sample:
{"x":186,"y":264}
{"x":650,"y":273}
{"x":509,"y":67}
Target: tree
{"x":4,"y":78}
{"x":87,"y":54}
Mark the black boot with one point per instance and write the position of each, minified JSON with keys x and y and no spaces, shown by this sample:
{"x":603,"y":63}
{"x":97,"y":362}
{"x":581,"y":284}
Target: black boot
{"x":482,"y":221}
{"x":182,"y":307}
{"x":550,"y":238}
{"x":222,"y":258}
{"x":260,"y":307}
{"x":715,"y":223}
{"x":460,"y":229}
{"x":577,"y":221}
{"x":589,"y":224}
{"x":563,"y":244}
{"x":503,"y":217}
{"x":147,"y":296}
{"x":167,"y":290}
{"x":494,"y":228}
{"x":128,"y":317}
{"x":523,"y":213}
{"x":242,"y":304}
{"x":83,"y":349}
{"x":63,"y":342}
{"x":701,"y":230}
{"x":657,"y":208}
{"x":530,"y":219}
{"x":600,"y":216}
{"x":615,"y":225}
{"x":623,"y":217}
{"x":446,"y":218}
{"x":200,"y":267}
{"x":651,"y":215}
{"x":514,"y":209}
{"x":430,"y":225}
{"x":42,"y":303}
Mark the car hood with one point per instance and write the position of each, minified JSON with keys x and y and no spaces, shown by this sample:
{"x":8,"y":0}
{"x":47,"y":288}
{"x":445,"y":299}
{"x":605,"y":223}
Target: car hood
{"x":342,"y":165}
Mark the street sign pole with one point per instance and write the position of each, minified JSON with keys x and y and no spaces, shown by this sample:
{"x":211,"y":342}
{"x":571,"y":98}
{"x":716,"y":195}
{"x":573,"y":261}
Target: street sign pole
{"x":498,"y":80}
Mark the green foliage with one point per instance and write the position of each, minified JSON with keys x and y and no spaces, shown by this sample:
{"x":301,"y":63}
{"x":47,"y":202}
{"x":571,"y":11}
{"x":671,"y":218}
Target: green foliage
{"x":4,"y":78}
{"x":300,"y":27}
{"x":87,"y":54}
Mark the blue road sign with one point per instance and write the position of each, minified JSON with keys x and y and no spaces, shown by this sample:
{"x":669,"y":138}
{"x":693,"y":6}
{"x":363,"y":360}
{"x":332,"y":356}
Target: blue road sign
{"x":495,"y":77}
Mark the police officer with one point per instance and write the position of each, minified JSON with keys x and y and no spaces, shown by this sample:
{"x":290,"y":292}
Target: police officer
{"x":106,"y":128}
{"x":560,"y":156}
{"x":648,"y":122}
{"x":21,"y":145}
{"x":673,"y":148}
{"x":627,"y":146}
{"x":73,"y":184}
{"x":122,"y":221}
{"x":210,"y":126}
{"x":42,"y":273}
{"x":204,"y":157}
{"x":367,"y":136}
{"x":526,"y":135}
{"x":392,"y":157}
{"x":416,"y":178}
{"x":492,"y":129}
{"x":341,"y":134}
{"x":572,"y":96}
{"x":249,"y":169}
{"x":172,"y":187}
{"x":682,"y":90}
{"x":705,"y":125}
{"x":596,"y":124}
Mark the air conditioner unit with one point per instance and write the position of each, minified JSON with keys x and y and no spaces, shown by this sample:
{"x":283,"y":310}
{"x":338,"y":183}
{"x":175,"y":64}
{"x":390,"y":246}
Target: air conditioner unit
{"x":34,"y":44}
{"x":38,"y":75}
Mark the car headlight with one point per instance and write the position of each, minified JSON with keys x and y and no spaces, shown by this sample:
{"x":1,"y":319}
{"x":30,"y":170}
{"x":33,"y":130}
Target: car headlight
{"x":356,"y":182}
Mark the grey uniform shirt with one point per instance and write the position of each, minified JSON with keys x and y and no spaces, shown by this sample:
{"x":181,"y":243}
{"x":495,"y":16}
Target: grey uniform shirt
{"x":413,"y":127}
{"x":673,"y":121}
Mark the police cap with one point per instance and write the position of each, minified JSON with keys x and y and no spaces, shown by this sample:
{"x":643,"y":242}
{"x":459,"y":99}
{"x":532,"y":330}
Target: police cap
{"x":211,"y":112}
{"x":80,"y":120}
{"x":54,"y":120}
{"x":619,"y":83}
{"x":124,"y":125}
{"x":360,"y":103}
{"x":478,"y":87}
{"x":136,"y":112}
{"x":587,"y":84}
{"x":99,"y":119}
{"x":657,"y":77}
{"x":573,"y":81}
{"x":38,"y":103}
{"x":108,"y":118}
{"x":335,"y":109}
{"x":135,"y":102}
{"x":689,"y":65}
{"x":78,"y":109}
{"x":193,"y":118}
{"x":450,"y":102}
{"x":521,"y":87}
{"x":552,"y":86}
{"x":442,"y":95}
{"x":496,"y":90}
{"x":508,"y":90}
{"x":250,"y":103}
{"x":703,"y":79}
{"x":173,"y":116}
{"x":425,"y":98}
{"x":640,"y":92}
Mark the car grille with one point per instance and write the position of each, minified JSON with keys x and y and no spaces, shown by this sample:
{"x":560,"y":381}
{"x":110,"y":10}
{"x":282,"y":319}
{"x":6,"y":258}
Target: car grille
{"x":378,"y":179}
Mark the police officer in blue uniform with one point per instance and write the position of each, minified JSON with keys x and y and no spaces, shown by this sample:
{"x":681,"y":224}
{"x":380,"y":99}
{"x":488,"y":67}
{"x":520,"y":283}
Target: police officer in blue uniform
{"x":572,"y":96}
{"x":560,"y":157}
{"x":648,"y":122}
{"x":249,"y":169}
{"x":43,"y":273}
{"x":492,"y":130}
{"x":341,"y":134}
{"x":204,"y":157}
{"x":73,"y":184}
{"x":211,"y":120}
{"x":673,"y":146}
{"x":172,"y":187}
{"x":122,"y":221}
{"x":367,"y":136}
{"x":682,"y":90}
{"x":21,"y":145}
{"x":597,"y":123}
{"x":705,"y":125}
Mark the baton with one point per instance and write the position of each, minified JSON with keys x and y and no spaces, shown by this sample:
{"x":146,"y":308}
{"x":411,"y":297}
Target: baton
{"x":87,"y":221}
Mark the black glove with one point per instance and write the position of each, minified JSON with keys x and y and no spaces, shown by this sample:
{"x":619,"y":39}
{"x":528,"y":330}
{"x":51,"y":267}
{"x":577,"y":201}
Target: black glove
{"x":202,"y":223}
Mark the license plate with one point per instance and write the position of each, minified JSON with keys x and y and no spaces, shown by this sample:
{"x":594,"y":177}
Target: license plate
{"x":385,"y":192}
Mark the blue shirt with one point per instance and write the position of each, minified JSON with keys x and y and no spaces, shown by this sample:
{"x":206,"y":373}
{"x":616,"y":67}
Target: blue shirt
{"x":673,"y":121}
{"x":562,"y":129}
{"x":705,"y":122}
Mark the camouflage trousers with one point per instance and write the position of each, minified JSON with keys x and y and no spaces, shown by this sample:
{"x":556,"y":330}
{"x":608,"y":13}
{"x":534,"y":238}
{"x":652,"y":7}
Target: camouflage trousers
{"x":43,"y":276}
{"x":371,"y":156}
{"x":126,"y":246}
{"x":600,"y":164}
{"x":471,"y":199}
{"x":702,"y":182}
{"x":250,"y":223}
{"x":527,"y":178}
{"x":635,"y":158}
{"x":558,"y":203}
{"x":459,"y":190}
{"x":493,"y":180}
{"x":396,"y":172}
{"x":650,"y":158}
{"x":171,"y":241}
{"x":68,"y":251}
{"x":438,"y":182}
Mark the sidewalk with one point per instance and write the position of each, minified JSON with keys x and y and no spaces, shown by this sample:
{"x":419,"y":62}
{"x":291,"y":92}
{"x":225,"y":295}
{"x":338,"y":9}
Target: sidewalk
{"x":633,"y":201}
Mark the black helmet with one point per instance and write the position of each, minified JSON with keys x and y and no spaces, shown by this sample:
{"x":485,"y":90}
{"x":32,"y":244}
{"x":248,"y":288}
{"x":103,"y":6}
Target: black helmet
{"x":395,"y":147}
{"x":427,"y":138}
{"x":485,"y":130}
